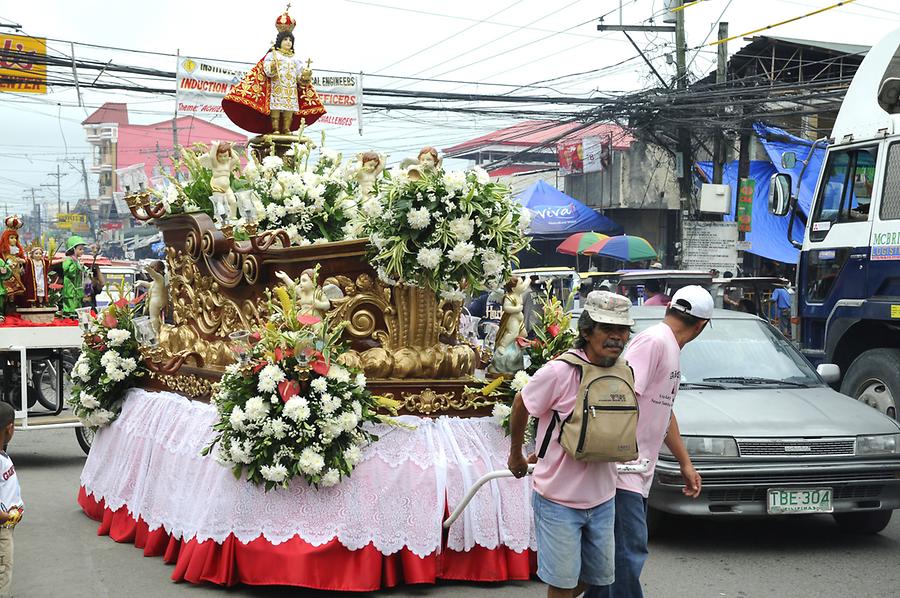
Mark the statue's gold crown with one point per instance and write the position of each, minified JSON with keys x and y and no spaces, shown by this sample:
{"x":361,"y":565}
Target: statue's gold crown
{"x":13,"y":222}
{"x":285,"y":23}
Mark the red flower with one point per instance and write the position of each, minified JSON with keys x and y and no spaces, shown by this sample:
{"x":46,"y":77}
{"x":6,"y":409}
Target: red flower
{"x":553,"y":329}
{"x":522,"y":341}
{"x":259,"y":366}
{"x":255,"y":337}
{"x":282,"y":354}
{"x":288,"y":389}
{"x":121,"y":303}
{"x":308,"y":319}
{"x":109,"y":320}
{"x":317,"y":362}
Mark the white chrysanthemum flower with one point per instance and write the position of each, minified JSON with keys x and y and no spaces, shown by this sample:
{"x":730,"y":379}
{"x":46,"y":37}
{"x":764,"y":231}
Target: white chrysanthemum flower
{"x":429,"y":257}
{"x":360,"y":380}
{"x":453,"y":295}
{"x":278,"y":428}
{"x":500,"y":412}
{"x":330,"y":478}
{"x":481,"y":175}
{"x":310,"y":462}
{"x":372,"y":207}
{"x":236,"y":419}
{"x":352,"y":455}
{"x":128,"y":365}
{"x":100,"y":417}
{"x":238,"y":454}
{"x":82,"y":369}
{"x":297,"y":409}
{"x":418,"y":218}
{"x":462,"y":228}
{"x":330,"y":404}
{"x":110,"y":359}
{"x":378,"y":241}
{"x":462,"y":253}
{"x":357,"y":408}
{"x":115,"y":374}
{"x":331,"y":428}
{"x":271,"y":163}
{"x":519,"y":380}
{"x":117,"y":337}
{"x":491,"y":262}
{"x":454,"y":181}
{"x":348,"y":421}
{"x":251,"y":172}
{"x":274,"y":473}
{"x":88,"y":401}
{"x":319,"y":384}
{"x":525,"y":217}
{"x":383,"y":277}
{"x":269,"y":377}
{"x":256,"y":408}
{"x":339,"y":373}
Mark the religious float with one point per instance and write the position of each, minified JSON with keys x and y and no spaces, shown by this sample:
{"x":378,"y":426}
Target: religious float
{"x":296,"y":406}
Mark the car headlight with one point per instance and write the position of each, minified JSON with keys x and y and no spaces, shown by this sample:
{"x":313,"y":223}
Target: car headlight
{"x":706,"y":446}
{"x":880,"y":444}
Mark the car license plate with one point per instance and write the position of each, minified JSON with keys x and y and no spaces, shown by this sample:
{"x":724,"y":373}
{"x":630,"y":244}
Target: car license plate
{"x":799,"y":500}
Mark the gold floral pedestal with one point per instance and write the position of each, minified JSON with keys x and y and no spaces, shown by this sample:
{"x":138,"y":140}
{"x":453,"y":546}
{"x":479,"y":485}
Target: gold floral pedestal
{"x":406,"y":339}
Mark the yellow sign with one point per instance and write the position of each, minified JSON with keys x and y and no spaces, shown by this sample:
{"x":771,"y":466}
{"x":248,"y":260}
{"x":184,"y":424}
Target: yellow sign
{"x":76,"y":222}
{"x":23,"y":66}
{"x":895,"y":311}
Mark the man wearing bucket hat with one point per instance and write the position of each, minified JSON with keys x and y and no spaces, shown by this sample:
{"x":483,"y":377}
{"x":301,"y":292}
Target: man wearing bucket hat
{"x":573,"y":499}
{"x":73,"y":277}
{"x":655,"y":357}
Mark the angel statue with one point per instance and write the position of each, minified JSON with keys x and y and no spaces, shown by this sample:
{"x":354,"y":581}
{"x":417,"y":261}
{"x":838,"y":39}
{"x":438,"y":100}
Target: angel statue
{"x":277,"y":95}
{"x":157,"y":296}
{"x":312,"y":299}
{"x":508,"y":355}
{"x":371,"y":165}
{"x":221,"y":159}
{"x":427,"y":161}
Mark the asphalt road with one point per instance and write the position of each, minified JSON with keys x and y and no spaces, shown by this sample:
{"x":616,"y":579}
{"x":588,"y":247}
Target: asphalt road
{"x":57,"y":551}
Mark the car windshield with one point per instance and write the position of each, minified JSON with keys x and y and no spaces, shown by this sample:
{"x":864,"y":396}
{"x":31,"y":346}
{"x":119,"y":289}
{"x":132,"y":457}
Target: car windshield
{"x":743,"y":352}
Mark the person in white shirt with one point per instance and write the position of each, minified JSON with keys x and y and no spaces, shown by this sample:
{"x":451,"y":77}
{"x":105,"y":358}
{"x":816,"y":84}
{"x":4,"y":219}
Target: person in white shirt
{"x":11,"y":505}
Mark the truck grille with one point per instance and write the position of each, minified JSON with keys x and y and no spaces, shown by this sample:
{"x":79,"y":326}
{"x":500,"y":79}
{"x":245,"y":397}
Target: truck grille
{"x":798,"y":447}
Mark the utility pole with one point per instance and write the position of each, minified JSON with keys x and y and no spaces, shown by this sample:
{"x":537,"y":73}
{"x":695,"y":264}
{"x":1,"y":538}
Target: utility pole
{"x":684,"y":134}
{"x":58,"y":186}
{"x":721,"y":77}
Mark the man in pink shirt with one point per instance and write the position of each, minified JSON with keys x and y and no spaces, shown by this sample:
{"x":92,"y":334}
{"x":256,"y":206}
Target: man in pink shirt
{"x":655,"y":357}
{"x":573,"y":501}
{"x":655,"y":296}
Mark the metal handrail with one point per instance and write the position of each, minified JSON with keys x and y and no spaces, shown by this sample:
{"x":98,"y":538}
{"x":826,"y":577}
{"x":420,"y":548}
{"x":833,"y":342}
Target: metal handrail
{"x":641,"y":466}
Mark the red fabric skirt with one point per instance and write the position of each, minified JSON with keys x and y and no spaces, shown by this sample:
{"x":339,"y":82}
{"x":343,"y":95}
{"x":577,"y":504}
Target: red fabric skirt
{"x":330,"y":566}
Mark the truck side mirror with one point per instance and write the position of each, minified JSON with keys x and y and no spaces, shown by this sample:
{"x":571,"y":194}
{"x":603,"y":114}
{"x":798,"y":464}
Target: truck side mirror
{"x":829,"y":372}
{"x":779,"y":194}
{"x":788,"y":160}
{"x":889,"y":95}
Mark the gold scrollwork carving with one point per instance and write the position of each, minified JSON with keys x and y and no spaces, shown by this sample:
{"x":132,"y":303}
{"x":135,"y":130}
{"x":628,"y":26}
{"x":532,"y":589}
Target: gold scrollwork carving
{"x":428,"y":401}
{"x":250,"y":269}
{"x":189,"y":385}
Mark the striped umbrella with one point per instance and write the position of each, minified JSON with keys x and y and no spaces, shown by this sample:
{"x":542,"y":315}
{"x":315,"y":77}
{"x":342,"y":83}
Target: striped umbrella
{"x":577,"y":243}
{"x":623,"y":247}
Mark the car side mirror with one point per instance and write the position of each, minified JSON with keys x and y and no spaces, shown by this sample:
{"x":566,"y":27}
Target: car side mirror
{"x":779,"y":194}
{"x":829,"y":372}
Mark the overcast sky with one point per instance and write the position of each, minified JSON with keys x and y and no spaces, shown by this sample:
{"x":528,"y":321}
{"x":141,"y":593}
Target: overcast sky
{"x":478,"y":42}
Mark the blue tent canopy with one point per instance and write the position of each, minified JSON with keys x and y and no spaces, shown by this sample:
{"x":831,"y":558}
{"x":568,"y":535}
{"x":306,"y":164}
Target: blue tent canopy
{"x":555,"y":214}
{"x":778,"y":141}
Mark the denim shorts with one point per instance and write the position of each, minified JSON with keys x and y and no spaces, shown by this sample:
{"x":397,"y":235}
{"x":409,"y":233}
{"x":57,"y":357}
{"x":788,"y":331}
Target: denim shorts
{"x":574,"y":544}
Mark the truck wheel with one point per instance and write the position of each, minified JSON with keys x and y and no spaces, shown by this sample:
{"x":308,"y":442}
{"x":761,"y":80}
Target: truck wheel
{"x":867,"y":522}
{"x":874,"y":379}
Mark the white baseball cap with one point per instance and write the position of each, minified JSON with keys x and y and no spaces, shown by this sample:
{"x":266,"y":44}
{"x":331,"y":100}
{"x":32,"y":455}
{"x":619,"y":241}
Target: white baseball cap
{"x":693,"y":300}
{"x":608,"y":308}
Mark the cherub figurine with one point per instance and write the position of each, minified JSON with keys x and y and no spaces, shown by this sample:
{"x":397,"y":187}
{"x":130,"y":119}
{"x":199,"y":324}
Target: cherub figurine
{"x":508,"y":355}
{"x":312,"y":299}
{"x":36,"y":278}
{"x":426,"y":162}
{"x":222,"y":160}
{"x":157,"y":299}
{"x":371,"y":165}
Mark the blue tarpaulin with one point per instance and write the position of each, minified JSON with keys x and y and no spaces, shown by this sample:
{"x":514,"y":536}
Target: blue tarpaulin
{"x":768,"y":237}
{"x":555,"y":214}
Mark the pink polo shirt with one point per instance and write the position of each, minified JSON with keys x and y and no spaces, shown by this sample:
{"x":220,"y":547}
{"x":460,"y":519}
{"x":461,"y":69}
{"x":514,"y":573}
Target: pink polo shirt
{"x":557,"y":476}
{"x":655,"y":357}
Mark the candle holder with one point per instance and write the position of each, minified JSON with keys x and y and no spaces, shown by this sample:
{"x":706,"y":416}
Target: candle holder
{"x":240,"y":340}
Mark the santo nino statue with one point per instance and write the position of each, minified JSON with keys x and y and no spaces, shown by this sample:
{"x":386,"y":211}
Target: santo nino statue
{"x":277,"y":94}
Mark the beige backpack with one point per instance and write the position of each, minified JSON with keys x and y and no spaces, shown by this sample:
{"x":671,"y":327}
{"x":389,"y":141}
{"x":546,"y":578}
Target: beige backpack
{"x":603,"y":424}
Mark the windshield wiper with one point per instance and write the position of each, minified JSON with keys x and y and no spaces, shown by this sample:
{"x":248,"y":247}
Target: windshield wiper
{"x":754,"y":380}
{"x":701,"y":385}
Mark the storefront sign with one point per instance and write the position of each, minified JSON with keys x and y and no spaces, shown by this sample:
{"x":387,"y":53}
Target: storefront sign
{"x":571,"y":157}
{"x":21,"y":64}
{"x":745,"y":204}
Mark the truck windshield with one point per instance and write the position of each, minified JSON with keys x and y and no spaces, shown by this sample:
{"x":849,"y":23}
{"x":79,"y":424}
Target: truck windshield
{"x":845,"y":190}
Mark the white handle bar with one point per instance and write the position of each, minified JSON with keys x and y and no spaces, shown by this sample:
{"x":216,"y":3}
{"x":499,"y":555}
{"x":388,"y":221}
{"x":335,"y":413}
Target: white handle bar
{"x":632,"y":467}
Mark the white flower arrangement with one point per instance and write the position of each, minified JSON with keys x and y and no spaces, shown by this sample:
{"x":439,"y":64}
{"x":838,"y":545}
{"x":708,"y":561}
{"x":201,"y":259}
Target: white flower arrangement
{"x":444,"y":230}
{"x":110,"y":363}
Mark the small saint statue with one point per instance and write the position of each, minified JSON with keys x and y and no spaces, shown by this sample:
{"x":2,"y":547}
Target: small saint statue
{"x":509,"y":356}
{"x":73,"y":274}
{"x":36,"y":277}
{"x":157,"y":298}
{"x":12,"y":252}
